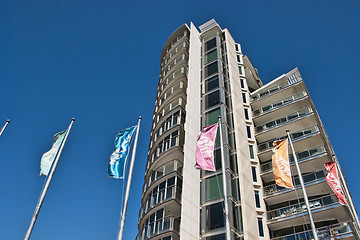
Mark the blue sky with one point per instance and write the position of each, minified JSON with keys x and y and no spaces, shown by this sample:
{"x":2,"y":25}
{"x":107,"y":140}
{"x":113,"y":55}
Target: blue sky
{"x":98,"y":61}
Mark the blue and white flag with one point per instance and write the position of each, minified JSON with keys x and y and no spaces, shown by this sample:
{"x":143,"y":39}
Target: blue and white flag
{"x":118,"y":157}
{"x":48,"y":158}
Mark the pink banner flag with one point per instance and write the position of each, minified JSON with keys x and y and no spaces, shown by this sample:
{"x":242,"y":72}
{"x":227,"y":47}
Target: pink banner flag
{"x":332,"y":179}
{"x":205,"y":148}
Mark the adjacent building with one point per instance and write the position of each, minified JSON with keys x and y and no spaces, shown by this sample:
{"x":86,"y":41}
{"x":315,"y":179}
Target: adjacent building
{"x":204,"y":75}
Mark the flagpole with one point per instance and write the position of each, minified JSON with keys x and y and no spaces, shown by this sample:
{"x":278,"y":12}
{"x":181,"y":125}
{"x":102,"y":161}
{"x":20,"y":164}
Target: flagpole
{"x":227,"y":220}
{"x":303,"y":188}
{"x":48,"y":180}
{"x":346,"y":192}
{"x":123,"y":213}
{"x":2,"y":130}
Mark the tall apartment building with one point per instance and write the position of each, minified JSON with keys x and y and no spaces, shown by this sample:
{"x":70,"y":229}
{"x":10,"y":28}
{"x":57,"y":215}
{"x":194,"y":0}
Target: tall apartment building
{"x":204,"y":74}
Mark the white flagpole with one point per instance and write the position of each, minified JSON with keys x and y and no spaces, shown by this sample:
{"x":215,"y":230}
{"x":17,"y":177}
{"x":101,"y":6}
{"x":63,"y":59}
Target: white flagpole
{"x":227,"y":220}
{"x":41,"y":200}
{"x":303,"y":188}
{"x":123,"y":213}
{"x":2,"y":130}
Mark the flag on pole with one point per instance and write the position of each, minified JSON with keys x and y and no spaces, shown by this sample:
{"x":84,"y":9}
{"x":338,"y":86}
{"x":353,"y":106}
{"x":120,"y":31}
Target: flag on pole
{"x":48,"y":158}
{"x":205,"y":148}
{"x":281,"y":165}
{"x":118,"y":158}
{"x":332,"y":179}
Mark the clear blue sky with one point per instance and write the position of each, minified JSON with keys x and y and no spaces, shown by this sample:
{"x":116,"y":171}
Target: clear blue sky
{"x":98,"y":61}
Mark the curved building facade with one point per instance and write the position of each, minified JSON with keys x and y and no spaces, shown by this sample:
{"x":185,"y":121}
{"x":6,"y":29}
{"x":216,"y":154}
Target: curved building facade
{"x":204,"y":75}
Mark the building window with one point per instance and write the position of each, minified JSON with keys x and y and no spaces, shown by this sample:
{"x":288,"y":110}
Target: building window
{"x":240,"y":70}
{"x":212,"y":99}
{"x":237,"y":48}
{"x":238,"y":58}
{"x":211,"y":69}
{"x":248,"y":130}
{"x":216,"y":237}
{"x":215,"y":216}
{"x":213,"y":188}
{"x":244,"y":97}
{"x":261,"y":227}
{"x":211,"y":56}
{"x":212,"y":117}
{"x":210,"y":44}
{"x":257,"y":199}
{"x":254,"y":175}
{"x":251,"y":150}
{"x":212,"y":83}
{"x":242,"y":85}
{"x":246,"y":113}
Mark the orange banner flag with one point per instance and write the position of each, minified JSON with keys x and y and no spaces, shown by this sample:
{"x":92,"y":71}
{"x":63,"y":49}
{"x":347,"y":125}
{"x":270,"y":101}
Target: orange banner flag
{"x":281,"y":165}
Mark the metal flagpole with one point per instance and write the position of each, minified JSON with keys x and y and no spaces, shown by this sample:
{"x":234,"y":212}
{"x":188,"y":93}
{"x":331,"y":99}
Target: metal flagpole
{"x":227,"y":220}
{"x":41,"y":200}
{"x":345,"y":189}
{"x":123,"y":213}
{"x":2,"y":130}
{"x":303,"y":188}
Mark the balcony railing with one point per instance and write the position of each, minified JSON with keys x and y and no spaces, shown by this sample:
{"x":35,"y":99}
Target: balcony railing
{"x":294,"y":136}
{"x":302,"y":156}
{"x":310,"y":177}
{"x":160,"y":197}
{"x":279,"y":104}
{"x":275,"y":89}
{"x":335,"y":231}
{"x":160,"y":226}
{"x":283,"y":120}
{"x":301,"y":207}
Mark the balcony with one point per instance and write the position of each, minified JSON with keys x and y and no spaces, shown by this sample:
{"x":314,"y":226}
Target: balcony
{"x":274,"y":89}
{"x":301,"y":119}
{"x":297,"y":209}
{"x":265,"y":149}
{"x":283,"y":120}
{"x":160,"y":226}
{"x":308,"y":178}
{"x":279,"y":104}
{"x":319,"y":153}
{"x":165,"y":195}
{"x":335,"y":231}
{"x":276,"y":93}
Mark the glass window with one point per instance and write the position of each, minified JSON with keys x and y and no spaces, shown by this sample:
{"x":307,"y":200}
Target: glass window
{"x":212,"y":99}
{"x":214,"y":188}
{"x":217,"y":237}
{"x":235,"y":191}
{"x":240,"y":70}
{"x":217,"y":159}
{"x":254,"y":175}
{"x":210,"y":44}
{"x":248,"y":130}
{"x":242,"y":85}
{"x":211,"y":69}
{"x":214,"y":216}
{"x":237,"y":47}
{"x":212,"y":117}
{"x":233,"y":163}
{"x":212,"y":83}
{"x":251,"y":150}
{"x":246,"y":113}
{"x":261,"y":227}
{"x":237,"y":219}
{"x":244,"y":97}
{"x":257,"y":199}
{"x":238,"y":58}
{"x":210,"y":56}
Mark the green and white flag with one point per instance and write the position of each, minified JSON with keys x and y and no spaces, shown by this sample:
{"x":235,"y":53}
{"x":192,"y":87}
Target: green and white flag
{"x":48,"y":157}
